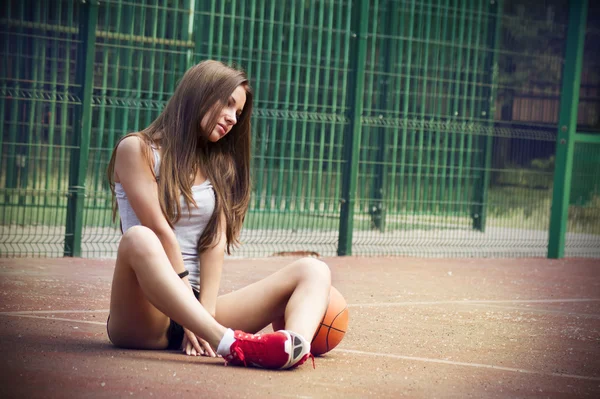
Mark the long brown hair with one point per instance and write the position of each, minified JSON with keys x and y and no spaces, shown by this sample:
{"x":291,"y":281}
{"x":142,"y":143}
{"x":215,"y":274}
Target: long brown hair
{"x":184,"y":147}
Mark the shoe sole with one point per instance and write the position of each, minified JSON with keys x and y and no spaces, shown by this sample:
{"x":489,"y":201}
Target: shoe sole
{"x":296,"y":347}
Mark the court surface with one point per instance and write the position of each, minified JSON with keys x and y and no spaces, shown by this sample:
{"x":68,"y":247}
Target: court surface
{"x":419,"y":328}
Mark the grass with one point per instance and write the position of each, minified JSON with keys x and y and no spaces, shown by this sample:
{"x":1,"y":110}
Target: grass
{"x":510,"y":207}
{"x":519,"y":205}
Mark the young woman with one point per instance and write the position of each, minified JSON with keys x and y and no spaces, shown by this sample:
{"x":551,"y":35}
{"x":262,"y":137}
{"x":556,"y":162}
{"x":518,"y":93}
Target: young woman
{"x":182,"y":187}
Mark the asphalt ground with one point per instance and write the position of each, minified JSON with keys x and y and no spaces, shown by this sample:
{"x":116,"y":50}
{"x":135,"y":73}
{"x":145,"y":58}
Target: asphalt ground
{"x":419,"y":328}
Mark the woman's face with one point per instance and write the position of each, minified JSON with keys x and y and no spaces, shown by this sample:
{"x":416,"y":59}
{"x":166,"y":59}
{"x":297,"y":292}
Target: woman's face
{"x":228,"y":116}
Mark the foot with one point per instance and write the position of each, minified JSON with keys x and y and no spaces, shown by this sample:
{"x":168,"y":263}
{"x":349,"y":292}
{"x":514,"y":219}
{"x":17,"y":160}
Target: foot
{"x":279,"y":350}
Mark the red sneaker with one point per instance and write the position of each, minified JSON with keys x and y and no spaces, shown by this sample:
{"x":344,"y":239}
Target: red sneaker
{"x":279,"y":350}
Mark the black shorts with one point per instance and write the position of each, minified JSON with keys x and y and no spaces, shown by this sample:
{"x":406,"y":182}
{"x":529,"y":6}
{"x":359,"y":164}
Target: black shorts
{"x":174,"y":332}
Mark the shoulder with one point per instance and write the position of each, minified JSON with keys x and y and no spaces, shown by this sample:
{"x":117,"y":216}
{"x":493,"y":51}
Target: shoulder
{"x":132,"y":154}
{"x":131,"y":146}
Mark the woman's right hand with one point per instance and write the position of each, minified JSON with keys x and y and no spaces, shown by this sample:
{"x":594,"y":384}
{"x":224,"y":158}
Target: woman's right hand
{"x":190,"y":344}
{"x":195,"y":346}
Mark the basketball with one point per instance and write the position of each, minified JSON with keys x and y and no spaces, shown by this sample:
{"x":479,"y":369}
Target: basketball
{"x":333,"y":327}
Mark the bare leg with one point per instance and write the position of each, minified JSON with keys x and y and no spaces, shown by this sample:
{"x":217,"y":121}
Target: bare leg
{"x":298,"y":293}
{"x":146,"y":290}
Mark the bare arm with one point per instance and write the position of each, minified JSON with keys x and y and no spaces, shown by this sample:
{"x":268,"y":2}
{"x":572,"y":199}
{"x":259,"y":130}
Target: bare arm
{"x":211,"y":267}
{"x":135,"y":175}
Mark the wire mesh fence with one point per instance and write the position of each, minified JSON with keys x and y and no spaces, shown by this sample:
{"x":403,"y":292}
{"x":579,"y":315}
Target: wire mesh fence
{"x":453,"y":128}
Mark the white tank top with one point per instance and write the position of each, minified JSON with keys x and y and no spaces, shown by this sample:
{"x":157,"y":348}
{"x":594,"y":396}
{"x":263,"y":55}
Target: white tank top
{"x":188,"y":229}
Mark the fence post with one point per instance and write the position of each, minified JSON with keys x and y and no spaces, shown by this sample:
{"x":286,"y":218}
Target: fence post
{"x":353,"y":132}
{"x":82,"y":124}
{"x":379,"y":196}
{"x":567,"y":126}
{"x":479,"y":213}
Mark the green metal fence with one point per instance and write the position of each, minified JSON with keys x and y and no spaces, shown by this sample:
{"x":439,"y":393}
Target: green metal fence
{"x":383,"y":127}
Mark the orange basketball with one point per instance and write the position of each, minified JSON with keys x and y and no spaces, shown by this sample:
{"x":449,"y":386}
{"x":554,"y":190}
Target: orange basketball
{"x":333,"y":326}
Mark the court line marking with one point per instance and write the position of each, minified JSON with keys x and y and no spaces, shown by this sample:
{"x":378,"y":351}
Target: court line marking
{"x":54,"y":318}
{"x":24,"y":312}
{"x":379,"y":304}
{"x":355,"y":305}
{"x":475,"y":365}
{"x":547,"y":311}
{"x":474,"y":301}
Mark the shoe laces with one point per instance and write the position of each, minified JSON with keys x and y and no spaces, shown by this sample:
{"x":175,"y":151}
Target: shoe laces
{"x":256,"y":348}
{"x":238,"y":353}
{"x":304,"y":358}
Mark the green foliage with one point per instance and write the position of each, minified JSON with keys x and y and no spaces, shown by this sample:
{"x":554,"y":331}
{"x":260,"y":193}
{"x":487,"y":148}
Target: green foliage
{"x":533,"y":36}
{"x":587,"y":215}
{"x":539,"y":175}
{"x":546,"y":165}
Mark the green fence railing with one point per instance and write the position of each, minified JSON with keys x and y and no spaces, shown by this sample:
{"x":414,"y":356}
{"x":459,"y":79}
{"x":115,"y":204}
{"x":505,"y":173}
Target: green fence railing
{"x":381,"y":127}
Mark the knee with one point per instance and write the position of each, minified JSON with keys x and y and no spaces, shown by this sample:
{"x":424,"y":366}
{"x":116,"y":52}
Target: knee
{"x":139,"y":241}
{"x":314,"y":270}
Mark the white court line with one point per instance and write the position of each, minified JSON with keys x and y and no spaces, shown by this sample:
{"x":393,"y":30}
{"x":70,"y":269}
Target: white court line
{"x":366,"y":305}
{"x":17,"y":312}
{"x":54,"y":318}
{"x":513,"y":301}
{"x":546,"y":311}
{"x":475,"y":365}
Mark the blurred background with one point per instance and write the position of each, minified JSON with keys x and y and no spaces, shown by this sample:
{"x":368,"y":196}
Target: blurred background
{"x":381,"y":127}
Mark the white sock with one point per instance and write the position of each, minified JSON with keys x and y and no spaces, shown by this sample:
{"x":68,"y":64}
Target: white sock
{"x":225,"y":344}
